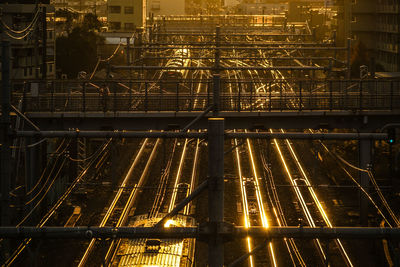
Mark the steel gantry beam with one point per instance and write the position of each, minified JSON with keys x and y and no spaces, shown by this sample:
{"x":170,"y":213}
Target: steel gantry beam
{"x":250,"y":48}
{"x":144,"y":121}
{"x":223,"y":34}
{"x":203,"y":232}
{"x":202,"y":135}
{"x":213,"y":67}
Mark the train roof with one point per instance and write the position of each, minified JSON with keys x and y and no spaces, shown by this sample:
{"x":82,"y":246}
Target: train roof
{"x":155,"y":252}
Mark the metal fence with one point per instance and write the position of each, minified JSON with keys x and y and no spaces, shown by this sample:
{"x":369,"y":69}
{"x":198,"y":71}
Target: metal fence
{"x":197,"y":95}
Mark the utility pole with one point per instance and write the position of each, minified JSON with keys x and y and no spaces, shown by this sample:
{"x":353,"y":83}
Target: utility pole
{"x":348,"y":73}
{"x":217,"y":50}
{"x":128,"y":48}
{"x":44,"y":43}
{"x":216,"y":93}
{"x":216,"y":190}
{"x":5,"y":137}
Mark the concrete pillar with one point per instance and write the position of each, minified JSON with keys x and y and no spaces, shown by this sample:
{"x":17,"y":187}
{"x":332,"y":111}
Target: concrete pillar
{"x":216,"y":189}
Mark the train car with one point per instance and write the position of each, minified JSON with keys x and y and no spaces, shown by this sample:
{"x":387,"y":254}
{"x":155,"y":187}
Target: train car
{"x":170,"y":77}
{"x":156,"y":252}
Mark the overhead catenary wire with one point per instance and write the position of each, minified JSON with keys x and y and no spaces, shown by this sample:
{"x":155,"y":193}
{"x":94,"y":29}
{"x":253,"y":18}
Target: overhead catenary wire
{"x":376,"y":186}
{"x":30,"y":25}
{"x":11,"y":33}
{"x":43,"y":173}
{"x":30,"y":145}
{"x":45,"y":184}
{"x":48,"y":215}
{"x":87,"y":158}
{"x":47,"y":190}
{"x":19,"y":37}
{"x":341,"y":164}
{"x":383,"y":199}
{"x":107,"y":59}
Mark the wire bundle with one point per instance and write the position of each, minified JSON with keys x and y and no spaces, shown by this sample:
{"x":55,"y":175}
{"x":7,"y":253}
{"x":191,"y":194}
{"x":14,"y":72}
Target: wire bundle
{"x":21,"y":34}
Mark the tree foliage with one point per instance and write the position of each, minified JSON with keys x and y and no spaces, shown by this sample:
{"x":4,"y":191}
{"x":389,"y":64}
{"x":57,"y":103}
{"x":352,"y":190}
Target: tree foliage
{"x":77,"y":51}
{"x":69,"y":17}
{"x":91,"y":22}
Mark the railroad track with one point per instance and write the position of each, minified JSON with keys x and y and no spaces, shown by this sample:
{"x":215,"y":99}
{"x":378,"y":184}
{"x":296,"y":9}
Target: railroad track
{"x":309,"y":203}
{"x":177,"y":181}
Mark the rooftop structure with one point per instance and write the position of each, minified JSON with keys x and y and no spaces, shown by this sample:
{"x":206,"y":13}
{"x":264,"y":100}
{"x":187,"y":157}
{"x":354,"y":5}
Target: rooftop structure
{"x":126,"y":15}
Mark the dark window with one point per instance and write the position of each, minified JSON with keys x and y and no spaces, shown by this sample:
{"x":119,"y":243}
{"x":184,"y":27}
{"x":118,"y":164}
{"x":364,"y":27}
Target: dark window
{"x":128,"y":26}
{"x":115,"y":25}
{"x":129,"y":10}
{"x":115,"y":9}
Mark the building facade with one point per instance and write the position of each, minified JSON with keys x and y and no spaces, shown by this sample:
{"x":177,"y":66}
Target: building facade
{"x":126,"y":15}
{"x":98,"y":7}
{"x":375,"y":23}
{"x":262,"y":7}
{"x":33,"y":50}
{"x":165,"y":8}
{"x":388,"y":34}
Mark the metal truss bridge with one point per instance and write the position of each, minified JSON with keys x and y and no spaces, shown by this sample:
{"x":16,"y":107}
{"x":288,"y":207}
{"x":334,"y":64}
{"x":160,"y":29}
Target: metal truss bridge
{"x":162,"y":104}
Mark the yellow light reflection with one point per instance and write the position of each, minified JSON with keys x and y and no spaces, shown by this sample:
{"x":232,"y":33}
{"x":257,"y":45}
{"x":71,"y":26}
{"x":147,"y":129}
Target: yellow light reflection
{"x":168,"y":223}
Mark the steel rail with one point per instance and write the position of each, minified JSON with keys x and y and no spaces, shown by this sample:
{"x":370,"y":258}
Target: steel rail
{"x":260,"y":200}
{"x":117,"y":196}
{"x":247,"y":221}
{"x":311,"y":190}
{"x":123,"y":218}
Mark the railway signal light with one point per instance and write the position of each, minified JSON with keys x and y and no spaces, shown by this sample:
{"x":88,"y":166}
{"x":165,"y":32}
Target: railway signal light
{"x":392,"y":135}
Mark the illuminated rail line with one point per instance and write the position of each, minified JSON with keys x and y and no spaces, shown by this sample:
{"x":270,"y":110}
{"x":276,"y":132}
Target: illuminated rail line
{"x":322,"y":212}
{"x":161,"y":198}
{"x":290,"y":244}
{"x":131,"y":200}
{"x":277,"y":74}
{"x":116,"y":199}
{"x":253,"y":212}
